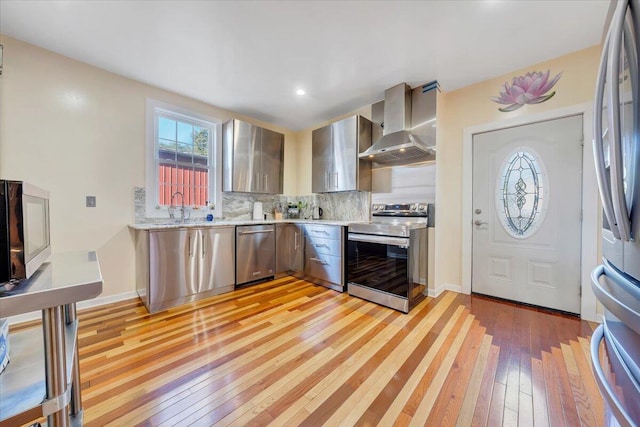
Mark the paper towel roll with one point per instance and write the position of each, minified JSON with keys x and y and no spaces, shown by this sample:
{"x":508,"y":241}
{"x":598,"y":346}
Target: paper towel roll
{"x":257,"y":210}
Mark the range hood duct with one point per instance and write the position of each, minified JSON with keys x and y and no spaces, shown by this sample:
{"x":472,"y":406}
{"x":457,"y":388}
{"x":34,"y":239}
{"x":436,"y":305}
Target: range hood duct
{"x":403,"y":141}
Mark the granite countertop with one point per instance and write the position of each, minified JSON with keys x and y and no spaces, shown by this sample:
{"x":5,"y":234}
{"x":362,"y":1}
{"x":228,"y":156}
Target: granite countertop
{"x":223,"y":223}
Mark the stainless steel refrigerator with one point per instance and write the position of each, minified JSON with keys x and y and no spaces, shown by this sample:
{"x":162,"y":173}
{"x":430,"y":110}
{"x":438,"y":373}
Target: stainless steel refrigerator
{"x":616,"y":282}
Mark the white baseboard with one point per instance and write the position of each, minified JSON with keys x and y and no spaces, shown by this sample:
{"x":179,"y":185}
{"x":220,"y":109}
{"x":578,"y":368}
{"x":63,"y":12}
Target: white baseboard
{"x":446,"y":287}
{"x":453,"y":288}
{"x":96,"y":302}
{"x":434,"y":293}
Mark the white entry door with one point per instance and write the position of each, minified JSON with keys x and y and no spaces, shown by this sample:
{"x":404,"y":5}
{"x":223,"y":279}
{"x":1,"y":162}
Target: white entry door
{"x":527,"y":185}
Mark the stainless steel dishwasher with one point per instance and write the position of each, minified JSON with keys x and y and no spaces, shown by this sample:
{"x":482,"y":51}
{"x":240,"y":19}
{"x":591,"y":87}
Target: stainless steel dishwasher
{"x":255,"y":253}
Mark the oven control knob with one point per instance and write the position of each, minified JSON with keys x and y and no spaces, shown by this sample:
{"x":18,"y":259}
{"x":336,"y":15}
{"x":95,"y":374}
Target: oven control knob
{"x":413,"y":207}
{"x":422,"y":207}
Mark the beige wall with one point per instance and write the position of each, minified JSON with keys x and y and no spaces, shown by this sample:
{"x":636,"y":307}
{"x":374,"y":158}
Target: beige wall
{"x":77,"y":130}
{"x":471,"y":106}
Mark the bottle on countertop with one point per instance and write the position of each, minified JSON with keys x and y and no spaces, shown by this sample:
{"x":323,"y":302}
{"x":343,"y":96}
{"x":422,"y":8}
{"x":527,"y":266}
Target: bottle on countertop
{"x":277,"y":212}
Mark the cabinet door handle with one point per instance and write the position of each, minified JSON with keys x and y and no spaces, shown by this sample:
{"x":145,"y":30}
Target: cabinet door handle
{"x":204,"y":241}
{"x":256,"y":273}
{"x":319,"y":231}
{"x":320,"y":245}
{"x":321,"y":261}
{"x":295,"y":240}
{"x":335,"y":184}
{"x":266,"y":182}
{"x":190,"y":252}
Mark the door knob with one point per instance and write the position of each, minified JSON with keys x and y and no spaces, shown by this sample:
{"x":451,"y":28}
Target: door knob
{"x":478,"y":211}
{"x":478,"y":222}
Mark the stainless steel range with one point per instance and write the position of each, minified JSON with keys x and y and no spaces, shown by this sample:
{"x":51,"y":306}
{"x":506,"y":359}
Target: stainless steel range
{"x":387,"y":258}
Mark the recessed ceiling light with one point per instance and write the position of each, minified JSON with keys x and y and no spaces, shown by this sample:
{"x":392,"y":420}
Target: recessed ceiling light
{"x":300,"y":92}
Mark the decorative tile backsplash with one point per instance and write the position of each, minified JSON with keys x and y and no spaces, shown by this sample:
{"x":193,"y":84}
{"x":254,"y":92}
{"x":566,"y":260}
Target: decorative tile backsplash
{"x":239,"y":206}
{"x":404,"y":184}
{"x":138,"y":203}
{"x":343,"y":206}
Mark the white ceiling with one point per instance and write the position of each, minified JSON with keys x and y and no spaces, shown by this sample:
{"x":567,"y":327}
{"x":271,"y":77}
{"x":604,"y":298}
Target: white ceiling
{"x":251,"y":56}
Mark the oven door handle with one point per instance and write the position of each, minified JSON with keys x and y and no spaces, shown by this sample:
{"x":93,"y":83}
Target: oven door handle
{"x":402,"y":242}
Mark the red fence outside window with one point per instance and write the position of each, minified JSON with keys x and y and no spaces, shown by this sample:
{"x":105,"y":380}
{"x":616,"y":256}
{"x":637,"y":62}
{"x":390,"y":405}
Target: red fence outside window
{"x":193,"y":183}
{"x":182,"y":161}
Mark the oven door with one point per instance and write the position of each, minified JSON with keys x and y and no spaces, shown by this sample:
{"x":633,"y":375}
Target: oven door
{"x":381,"y":269}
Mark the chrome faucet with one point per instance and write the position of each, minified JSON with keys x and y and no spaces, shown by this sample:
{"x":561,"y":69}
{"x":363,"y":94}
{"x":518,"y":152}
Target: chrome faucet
{"x":172,"y":206}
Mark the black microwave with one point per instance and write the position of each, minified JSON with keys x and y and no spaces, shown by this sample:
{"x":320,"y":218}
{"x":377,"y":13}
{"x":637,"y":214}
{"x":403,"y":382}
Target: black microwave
{"x":25,"y":241}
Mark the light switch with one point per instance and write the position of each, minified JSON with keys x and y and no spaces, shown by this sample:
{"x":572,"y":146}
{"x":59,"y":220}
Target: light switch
{"x":91,"y":201}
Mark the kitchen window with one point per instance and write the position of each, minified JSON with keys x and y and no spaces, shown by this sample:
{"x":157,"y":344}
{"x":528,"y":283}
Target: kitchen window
{"x":182,"y":154}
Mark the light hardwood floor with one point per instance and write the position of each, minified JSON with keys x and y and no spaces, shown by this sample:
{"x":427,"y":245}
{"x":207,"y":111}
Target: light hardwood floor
{"x":288,"y":352}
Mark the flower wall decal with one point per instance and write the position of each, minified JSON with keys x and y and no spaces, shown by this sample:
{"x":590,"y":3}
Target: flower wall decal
{"x":528,"y":89}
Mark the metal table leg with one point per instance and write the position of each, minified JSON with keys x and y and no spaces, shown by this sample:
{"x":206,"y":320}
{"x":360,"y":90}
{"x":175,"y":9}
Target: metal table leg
{"x":76,"y":396}
{"x":55,"y":406}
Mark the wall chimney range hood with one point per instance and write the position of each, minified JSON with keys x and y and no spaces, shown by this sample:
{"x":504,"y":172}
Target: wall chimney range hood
{"x":409,"y":126}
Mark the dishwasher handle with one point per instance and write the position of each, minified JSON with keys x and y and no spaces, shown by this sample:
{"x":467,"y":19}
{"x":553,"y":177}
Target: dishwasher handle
{"x":255,"y":232}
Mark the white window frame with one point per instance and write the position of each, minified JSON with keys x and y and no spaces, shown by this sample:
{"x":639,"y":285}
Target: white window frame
{"x":155,"y":108}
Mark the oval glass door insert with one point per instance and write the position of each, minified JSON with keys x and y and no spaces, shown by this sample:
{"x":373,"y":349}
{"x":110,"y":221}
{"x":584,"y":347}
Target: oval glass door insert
{"x":521,"y":193}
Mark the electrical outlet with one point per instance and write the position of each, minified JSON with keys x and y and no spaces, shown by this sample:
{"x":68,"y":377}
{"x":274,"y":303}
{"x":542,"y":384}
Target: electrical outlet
{"x":91,"y":201}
